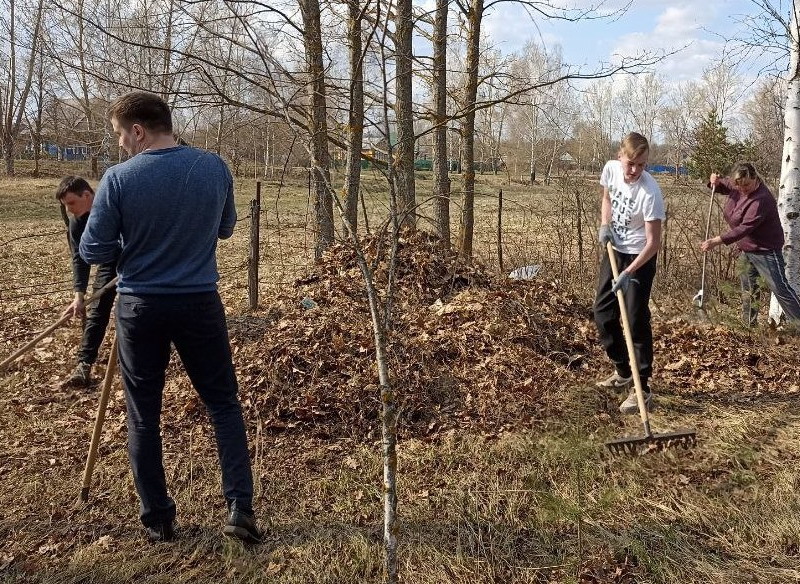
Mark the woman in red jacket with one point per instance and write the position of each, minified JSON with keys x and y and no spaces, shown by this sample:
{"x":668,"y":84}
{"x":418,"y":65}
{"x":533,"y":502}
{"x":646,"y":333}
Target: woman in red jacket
{"x":752,"y":213}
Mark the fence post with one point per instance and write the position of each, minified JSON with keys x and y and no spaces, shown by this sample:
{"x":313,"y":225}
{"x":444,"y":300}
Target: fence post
{"x":500,"y":230}
{"x":252,"y":259}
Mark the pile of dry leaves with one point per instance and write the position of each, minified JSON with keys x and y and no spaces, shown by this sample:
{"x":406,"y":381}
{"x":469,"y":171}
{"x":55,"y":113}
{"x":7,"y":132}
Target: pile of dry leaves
{"x":466,"y":348}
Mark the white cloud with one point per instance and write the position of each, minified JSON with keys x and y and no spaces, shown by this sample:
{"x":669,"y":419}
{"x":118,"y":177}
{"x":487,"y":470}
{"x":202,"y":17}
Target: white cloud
{"x":681,"y":34}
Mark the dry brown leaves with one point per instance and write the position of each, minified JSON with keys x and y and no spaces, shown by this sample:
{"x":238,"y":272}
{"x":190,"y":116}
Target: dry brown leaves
{"x":465,"y":348}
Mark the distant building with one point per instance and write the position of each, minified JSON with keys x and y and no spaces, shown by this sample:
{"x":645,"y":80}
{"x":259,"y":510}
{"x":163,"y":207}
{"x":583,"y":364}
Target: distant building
{"x":667,"y":169}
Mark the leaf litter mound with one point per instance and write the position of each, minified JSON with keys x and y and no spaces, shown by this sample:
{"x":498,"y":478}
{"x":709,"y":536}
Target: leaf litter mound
{"x":466,"y":348}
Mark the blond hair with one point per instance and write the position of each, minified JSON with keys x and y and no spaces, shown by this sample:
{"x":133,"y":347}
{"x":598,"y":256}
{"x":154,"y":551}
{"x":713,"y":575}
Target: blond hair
{"x":634,"y":145}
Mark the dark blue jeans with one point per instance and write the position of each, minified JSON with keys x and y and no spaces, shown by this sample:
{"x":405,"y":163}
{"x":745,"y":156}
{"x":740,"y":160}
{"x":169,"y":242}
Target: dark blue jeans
{"x":770,"y":266}
{"x":607,"y":316}
{"x":98,"y":315}
{"x":195,"y":324}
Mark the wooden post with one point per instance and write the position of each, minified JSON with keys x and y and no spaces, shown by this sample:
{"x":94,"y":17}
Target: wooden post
{"x":500,"y":230}
{"x":252,"y":260}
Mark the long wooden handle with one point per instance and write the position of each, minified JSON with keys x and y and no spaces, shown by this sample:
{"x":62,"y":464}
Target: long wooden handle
{"x":64,"y":318}
{"x":705,"y":254}
{"x":626,"y":327}
{"x":100,"y":417}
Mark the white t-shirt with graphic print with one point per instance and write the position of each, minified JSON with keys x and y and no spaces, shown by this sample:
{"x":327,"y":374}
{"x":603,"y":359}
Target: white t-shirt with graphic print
{"x":631,"y":205}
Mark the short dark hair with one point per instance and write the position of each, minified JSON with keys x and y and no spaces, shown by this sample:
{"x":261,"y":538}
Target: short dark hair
{"x":72,"y":184}
{"x":146,"y":109}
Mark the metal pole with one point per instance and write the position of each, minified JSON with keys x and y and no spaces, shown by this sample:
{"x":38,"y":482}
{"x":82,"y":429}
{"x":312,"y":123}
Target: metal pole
{"x":252,"y":261}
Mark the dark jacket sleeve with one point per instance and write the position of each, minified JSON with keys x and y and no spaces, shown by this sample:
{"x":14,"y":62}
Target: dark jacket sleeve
{"x":80,"y":269}
{"x":723,"y":187}
{"x":228,"y":220}
{"x":752,"y":217}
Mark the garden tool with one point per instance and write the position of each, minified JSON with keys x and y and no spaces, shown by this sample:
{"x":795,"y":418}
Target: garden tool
{"x":88,"y":302}
{"x":100,"y":417}
{"x":649,"y":441}
{"x":699,"y":298}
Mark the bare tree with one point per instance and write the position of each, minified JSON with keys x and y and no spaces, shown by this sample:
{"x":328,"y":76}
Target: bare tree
{"x":642,"y":100}
{"x":318,"y":125}
{"x":20,"y":47}
{"x":474,"y":15}
{"x":355,"y":115}
{"x":764,"y":113}
{"x":681,"y":115}
{"x":441,"y":178}
{"x":404,"y":116}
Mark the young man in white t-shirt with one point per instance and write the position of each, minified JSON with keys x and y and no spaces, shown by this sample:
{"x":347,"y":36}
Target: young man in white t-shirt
{"x":632,"y":212}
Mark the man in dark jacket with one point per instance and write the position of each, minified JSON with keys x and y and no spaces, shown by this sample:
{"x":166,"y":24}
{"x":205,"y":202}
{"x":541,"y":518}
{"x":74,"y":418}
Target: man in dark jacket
{"x":76,"y":196}
{"x":169,"y":204}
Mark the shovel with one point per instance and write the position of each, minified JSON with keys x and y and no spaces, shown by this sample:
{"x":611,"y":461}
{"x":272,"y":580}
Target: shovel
{"x":650,"y":441}
{"x":699,"y":298}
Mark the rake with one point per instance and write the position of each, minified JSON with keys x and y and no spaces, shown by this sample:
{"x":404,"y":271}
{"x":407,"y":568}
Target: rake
{"x":649,"y":441}
{"x":94,"y":445}
{"x":64,"y":318}
{"x":699,"y":298}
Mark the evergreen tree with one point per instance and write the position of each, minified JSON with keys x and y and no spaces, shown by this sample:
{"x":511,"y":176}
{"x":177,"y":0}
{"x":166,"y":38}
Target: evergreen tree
{"x":712,"y":150}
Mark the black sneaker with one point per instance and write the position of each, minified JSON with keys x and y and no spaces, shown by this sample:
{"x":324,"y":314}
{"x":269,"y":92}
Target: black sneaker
{"x":80,"y":376}
{"x":159,"y":533}
{"x":242,"y":526}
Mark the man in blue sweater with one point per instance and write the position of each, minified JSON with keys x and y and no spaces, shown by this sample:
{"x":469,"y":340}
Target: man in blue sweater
{"x":76,"y":196}
{"x":168,"y":205}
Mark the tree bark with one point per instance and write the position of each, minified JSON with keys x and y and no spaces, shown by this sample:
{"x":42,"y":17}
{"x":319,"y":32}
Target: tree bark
{"x":404,"y":158}
{"x":355,"y":127}
{"x":318,"y":126}
{"x":789,"y":190}
{"x":467,"y":227}
{"x":441,"y":180}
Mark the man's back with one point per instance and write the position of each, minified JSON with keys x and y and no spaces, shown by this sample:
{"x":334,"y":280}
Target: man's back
{"x":169,"y":206}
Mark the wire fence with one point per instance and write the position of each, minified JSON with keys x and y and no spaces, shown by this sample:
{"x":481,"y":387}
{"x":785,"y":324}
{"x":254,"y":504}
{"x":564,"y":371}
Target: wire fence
{"x":553,"y":227}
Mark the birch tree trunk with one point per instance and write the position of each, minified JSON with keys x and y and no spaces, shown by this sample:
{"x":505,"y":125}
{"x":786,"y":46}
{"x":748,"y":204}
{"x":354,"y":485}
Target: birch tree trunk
{"x":441,"y":180}
{"x":789,"y":190}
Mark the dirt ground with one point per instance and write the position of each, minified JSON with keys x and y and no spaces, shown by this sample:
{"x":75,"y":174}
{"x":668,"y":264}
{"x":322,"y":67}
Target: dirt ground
{"x":503,"y":473}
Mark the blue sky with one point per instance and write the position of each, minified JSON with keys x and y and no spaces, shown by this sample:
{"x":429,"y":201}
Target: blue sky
{"x":696,"y":29}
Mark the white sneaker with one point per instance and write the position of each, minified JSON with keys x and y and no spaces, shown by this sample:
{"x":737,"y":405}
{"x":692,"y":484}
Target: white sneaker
{"x":616,"y":381}
{"x":631,"y":404}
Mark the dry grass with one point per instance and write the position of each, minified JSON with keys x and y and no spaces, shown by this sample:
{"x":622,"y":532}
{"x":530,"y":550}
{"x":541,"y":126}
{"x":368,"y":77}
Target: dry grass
{"x":534,"y":503}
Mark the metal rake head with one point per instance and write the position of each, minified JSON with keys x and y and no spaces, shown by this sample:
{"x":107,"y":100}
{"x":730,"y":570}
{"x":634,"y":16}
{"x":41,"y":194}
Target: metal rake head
{"x":698,"y":299}
{"x":639,"y":445}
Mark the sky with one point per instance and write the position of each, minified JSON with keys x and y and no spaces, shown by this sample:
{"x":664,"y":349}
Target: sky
{"x":695,"y":29}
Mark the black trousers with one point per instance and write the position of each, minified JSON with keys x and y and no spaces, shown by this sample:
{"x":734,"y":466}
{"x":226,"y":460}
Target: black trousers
{"x":98,"y":315}
{"x":195,"y":324}
{"x":608,"y":319}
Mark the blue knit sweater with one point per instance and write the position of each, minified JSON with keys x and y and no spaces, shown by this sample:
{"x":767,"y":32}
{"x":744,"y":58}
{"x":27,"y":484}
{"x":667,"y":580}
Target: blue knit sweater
{"x":165,"y":208}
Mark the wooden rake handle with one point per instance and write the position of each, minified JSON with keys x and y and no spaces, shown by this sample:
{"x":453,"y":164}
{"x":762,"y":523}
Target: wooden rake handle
{"x":100,"y":417}
{"x":705,"y":253}
{"x":64,"y":318}
{"x":626,"y":328}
